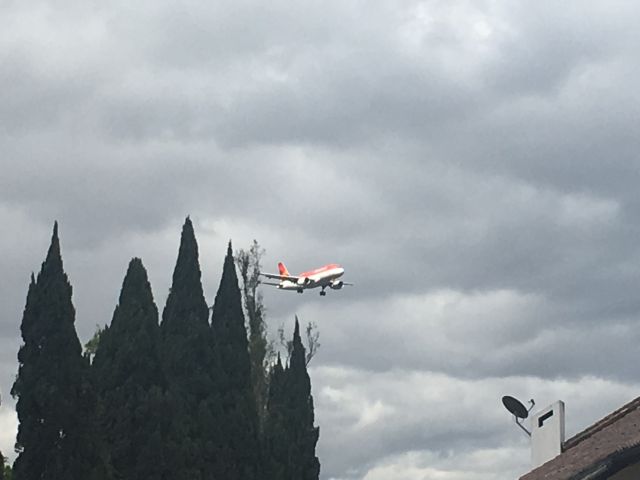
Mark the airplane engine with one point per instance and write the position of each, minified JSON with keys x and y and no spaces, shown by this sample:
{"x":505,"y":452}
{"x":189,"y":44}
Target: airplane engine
{"x":304,"y":281}
{"x":337,"y":285}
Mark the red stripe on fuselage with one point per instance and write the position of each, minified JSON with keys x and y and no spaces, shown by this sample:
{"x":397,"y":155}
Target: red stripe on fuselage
{"x":320,"y":270}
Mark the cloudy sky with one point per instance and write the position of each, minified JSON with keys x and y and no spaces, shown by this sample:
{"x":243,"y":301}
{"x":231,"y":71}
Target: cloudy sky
{"x":472,"y":164}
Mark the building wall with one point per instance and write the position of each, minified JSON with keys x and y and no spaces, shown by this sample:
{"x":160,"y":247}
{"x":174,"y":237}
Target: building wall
{"x":630,"y":473}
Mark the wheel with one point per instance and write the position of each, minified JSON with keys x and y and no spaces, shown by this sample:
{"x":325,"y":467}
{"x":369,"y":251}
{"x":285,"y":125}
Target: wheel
{"x":323,"y":293}
{"x":299,"y":290}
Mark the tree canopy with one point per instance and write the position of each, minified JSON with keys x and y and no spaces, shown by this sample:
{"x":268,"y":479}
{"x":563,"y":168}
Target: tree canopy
{"x":130,"y":382}
{"x":57,"y":437}
{"x":290,"y":434}
{"x":235,"y":403}
{"x":175,"y":400}
{"x":187,"y":360}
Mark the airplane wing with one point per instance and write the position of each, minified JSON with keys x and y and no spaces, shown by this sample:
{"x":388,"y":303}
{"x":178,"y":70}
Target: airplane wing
{"x":269,"y":283}
{"x":348,"y":284}
{"x":280,"y":277}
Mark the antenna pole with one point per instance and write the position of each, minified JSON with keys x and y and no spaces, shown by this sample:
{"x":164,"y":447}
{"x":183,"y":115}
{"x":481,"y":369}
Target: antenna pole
{"x":522,"y":426}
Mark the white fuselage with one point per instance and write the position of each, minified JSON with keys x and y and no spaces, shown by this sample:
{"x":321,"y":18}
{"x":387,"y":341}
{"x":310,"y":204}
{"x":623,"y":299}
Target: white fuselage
{"x":322,"y":277}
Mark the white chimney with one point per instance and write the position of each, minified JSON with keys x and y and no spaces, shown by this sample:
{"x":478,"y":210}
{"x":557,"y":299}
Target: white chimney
{"x":547,"y":434}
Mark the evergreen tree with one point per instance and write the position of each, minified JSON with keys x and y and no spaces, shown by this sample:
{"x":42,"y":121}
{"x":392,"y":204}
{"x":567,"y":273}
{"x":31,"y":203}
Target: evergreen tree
{"x":129,"y":381}
{"x":290,"y":436}
{"x":234,"y":406}
{"x":57,"y":436}
{"x":1,"y":467}
{"x":304,"y":464}
{"x":187,"y":359}
{"x":275,"y":441}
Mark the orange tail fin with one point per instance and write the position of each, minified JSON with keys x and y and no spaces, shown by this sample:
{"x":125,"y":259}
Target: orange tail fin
{"x":283,"y":270}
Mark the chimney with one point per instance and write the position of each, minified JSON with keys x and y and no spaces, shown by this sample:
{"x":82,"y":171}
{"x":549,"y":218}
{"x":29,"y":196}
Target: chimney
{"x":547,"y":433}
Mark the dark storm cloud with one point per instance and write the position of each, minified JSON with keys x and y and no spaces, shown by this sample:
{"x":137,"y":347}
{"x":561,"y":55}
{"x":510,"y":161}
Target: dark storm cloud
{"x":98,"y":193}
{"x":472,"y":164}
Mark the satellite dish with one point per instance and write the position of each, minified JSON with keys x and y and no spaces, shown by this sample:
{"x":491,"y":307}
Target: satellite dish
{"x":515,"y":407}
{"x":518,"y":410}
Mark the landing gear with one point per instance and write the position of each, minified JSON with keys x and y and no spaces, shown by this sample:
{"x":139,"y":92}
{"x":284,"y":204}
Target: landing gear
{"x":299,"y":290}
{"x":322,"y":292}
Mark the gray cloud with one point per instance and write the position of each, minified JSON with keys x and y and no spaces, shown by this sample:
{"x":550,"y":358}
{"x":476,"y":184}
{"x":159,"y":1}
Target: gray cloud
{"x":445,"y":419}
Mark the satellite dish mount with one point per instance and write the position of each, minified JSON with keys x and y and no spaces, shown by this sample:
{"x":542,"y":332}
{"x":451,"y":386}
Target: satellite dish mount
{"x":518,"y":410}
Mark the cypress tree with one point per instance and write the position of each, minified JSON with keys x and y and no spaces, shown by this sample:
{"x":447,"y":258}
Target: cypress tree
{"x":234,"y":405}
{"x":275,"y":441}
{"x":57,"y":437}
{"x":129,"y":381}
{"x":304,"y":464}
{"x":187,"y":360}
{"x":290,"y":436}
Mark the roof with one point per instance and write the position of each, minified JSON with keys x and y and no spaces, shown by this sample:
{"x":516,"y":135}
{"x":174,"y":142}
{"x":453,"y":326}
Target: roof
{"x":604,"y":448}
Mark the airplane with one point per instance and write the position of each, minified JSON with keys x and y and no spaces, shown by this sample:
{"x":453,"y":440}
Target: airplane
{"x":323,"y":277}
